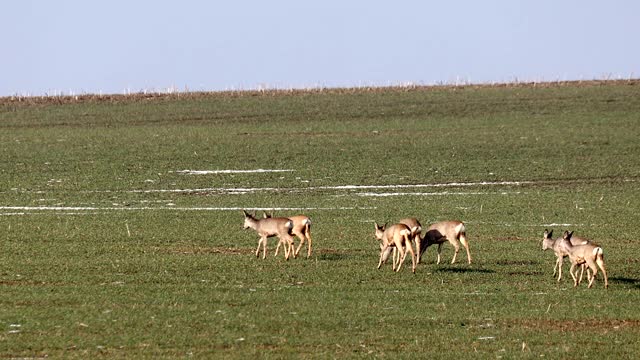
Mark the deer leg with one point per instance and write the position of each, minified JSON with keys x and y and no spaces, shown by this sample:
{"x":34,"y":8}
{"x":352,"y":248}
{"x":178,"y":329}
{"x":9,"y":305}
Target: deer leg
{"x":457,"y":249}
{"x":258,"y":249}
{"x":309,"y":243}
{"x":278,"y":248}
{"x":302,"y":238}
{"x":413,"y":255}
{"x":559,"y":267}
{"x":418,"y":252}
{"x":594,"y":269}
{"x":292,"y":247}
{"x":575,"y":281}
{"x":285,"y":246}
{"x":465,"y":243}
{"x":288,"y":246}
{"x":600,"y":262}
{"x":396,"y":258}
{"x":263,"y":239}
{"x":384,"y":255}
{"x":439,"y":251}
{"x":582,"y":273}
{"x":403,"y":254}
{"x":307,"y":234}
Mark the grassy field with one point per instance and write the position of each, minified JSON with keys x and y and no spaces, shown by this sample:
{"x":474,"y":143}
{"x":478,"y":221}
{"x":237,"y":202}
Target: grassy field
{"x":108,"y":248}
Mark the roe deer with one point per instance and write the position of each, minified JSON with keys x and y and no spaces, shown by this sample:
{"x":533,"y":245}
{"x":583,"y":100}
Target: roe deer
{"x":452,"y":231}
{"x":301,"y":229}
{"x":416,"y":230}
{"x":561,"y":251}
{"x":266,"y":228}
{"x":589,"y":254}
{"x":397,"y":236}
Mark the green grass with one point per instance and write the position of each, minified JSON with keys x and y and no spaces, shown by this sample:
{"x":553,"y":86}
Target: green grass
{"x":135,"y":272}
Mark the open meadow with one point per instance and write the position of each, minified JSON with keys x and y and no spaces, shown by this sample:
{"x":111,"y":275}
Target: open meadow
{"x":121,"y":222}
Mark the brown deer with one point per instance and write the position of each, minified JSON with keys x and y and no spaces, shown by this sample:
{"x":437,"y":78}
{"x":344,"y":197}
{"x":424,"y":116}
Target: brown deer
{"x":561,"y":251}
{"x":452,"y":231}
{"x":397,"y":236}
{"x":266,"y":228}
{"x":301,"y":229}
{"x":589,"y":254}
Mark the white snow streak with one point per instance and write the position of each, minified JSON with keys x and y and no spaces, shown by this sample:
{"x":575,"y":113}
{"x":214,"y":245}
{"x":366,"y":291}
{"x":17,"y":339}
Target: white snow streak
{"x":335,"y":187}
{"x":445,"y":193}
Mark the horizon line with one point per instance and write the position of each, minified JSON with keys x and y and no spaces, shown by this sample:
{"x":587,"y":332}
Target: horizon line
{"x":408,"y":85}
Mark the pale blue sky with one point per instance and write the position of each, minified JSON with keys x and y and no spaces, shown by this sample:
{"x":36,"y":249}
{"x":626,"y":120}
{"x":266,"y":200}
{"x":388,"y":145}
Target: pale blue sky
{"x":82,"y":46}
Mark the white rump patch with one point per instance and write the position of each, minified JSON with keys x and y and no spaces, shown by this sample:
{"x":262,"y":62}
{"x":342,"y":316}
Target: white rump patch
{"x":597,"y":251}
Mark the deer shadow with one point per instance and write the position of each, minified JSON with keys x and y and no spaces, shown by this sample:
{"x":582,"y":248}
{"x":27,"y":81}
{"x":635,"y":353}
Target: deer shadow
{"x":458,"y":270}
{"x":625,"y":280}
{"x":333,"y":255}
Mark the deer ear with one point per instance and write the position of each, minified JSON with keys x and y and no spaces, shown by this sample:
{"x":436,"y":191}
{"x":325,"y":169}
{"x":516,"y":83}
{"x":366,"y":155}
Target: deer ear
{"x":246,"y":214}
{"x":550,"y":233}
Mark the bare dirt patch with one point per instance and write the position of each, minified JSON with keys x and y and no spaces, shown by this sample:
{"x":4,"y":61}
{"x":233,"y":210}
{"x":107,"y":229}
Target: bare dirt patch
{"x":570,"y":325}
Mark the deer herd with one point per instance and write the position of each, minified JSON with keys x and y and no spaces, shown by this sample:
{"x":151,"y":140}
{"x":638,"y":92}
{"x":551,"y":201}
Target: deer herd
{"x":399,"y":239}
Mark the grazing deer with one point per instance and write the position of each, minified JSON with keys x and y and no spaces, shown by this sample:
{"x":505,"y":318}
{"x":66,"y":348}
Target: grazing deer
{"x":561,"y":251}
{"x":452,"y":231}
{"x":397,"y":236}
{"x":301,"y":229}
{"x":589,"y":254}
{"x":416,"y":230}
{"x":266,"y":228}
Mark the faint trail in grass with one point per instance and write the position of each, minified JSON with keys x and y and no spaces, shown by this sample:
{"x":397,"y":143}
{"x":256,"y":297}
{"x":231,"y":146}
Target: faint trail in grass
{"x":65,"y":209}
{"x":213,"y":172}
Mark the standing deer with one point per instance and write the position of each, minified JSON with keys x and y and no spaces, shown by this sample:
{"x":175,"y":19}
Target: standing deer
{"x":397,"y":236}
{"x":561,"y":251}
{"x":301,"y":229}
{"x":589,"y":254}
{"x":452,"y":231}
{"x":266,"y":228}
